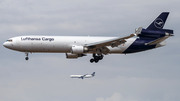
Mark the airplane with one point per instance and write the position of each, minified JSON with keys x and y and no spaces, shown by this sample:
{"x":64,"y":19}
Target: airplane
{"x":153,"y":36}
{"x":83,"y":76}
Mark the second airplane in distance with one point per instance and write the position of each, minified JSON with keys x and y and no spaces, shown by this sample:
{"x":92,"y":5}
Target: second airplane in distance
{"x":83,"y":76}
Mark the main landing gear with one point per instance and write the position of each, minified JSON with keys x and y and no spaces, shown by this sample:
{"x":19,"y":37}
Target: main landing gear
{"x":26,"y":58}
{"x":96,"y":58}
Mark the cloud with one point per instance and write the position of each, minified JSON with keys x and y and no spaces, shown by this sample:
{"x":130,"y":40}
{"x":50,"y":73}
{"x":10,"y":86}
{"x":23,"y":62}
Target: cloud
{"x":115,"y":97}
{"x":141,"y":89}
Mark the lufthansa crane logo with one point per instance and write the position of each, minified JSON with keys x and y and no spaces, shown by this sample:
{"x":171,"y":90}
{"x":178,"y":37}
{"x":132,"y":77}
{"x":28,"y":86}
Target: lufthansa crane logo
{"x":158,"y":23}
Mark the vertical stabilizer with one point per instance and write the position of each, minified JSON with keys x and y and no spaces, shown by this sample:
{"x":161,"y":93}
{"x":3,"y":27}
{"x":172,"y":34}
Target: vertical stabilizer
{"x":159,"y":22}
{"x":93,"y":74}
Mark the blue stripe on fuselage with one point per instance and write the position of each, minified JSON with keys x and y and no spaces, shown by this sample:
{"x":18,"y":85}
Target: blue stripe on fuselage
{"x":139,"y":45}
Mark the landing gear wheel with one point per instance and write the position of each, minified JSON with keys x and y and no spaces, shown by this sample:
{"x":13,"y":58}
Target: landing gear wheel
{"x":26,"y":58}
{"x":92,"y":60}
{"x":101,"y":57}
{"x":26,"y":53}
{"x":96,"y":60}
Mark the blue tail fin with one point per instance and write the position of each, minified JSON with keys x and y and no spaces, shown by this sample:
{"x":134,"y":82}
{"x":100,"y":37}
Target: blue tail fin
{"x":155,"y":29}
{"x":159,"y":22}
{"x":93,"y":74}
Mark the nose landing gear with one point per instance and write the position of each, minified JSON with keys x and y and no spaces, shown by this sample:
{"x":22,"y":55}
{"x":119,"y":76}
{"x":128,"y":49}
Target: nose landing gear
{"x":96,"y":58}
{"x":27,"y":58}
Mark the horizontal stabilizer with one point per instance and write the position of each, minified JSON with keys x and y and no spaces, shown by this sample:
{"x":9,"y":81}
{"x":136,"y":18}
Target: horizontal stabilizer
{"x":157,"y":41}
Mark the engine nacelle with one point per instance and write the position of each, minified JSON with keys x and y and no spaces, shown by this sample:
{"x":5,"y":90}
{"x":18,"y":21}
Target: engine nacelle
{"x":78,"y":49}
{"x":71,"y":56}
{"x":145,"y":33}
{"x":74,"y":56}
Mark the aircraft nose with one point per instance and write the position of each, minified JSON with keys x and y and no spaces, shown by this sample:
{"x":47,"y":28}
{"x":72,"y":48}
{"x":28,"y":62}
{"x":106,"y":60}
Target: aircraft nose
{"x":5,"y":44}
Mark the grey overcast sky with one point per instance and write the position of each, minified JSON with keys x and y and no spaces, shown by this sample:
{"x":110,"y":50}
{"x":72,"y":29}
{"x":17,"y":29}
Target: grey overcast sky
{"x":146,"y":76}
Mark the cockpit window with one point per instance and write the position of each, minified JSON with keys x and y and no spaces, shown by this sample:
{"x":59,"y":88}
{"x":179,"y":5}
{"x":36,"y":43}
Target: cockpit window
{"x":10,"y":40}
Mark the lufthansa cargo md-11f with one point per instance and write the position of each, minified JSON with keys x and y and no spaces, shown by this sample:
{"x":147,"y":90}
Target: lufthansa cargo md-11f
{"x":76,"y":46}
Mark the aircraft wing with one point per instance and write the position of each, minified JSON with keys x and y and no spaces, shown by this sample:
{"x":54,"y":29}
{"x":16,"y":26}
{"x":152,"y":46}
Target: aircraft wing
{"x":82,"y":77}
{"x":116,"y":41}
{"x":113,"y":43}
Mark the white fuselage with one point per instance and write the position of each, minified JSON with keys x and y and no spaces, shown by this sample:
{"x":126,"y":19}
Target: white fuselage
{"x":59,"y":44}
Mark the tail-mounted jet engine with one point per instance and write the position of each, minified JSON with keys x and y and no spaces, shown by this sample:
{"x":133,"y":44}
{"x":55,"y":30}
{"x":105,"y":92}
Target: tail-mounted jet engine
{"x":155,"y":34}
